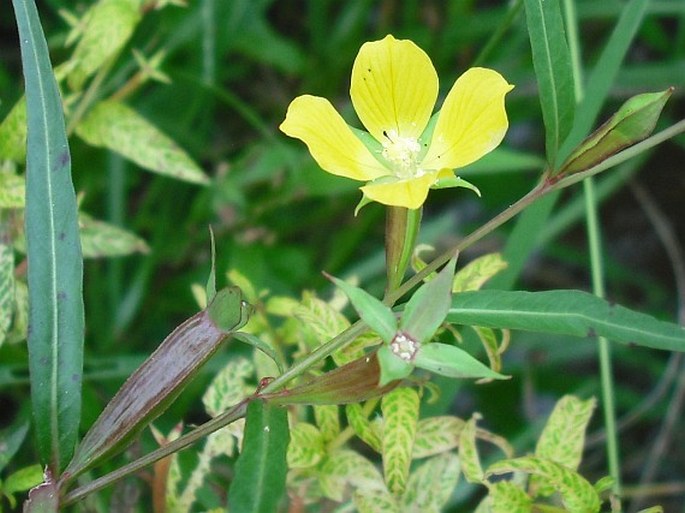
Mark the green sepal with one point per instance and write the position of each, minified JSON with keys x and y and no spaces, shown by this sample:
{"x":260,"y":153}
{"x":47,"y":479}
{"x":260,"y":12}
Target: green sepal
{"x":392,"y":366}
{"x":632,"y":123}
{"x":452,"y":362}
{"x":455,"y":181}
{"x":372,"y":311}
{"x":227,"y":310}
{"x":428,"y":307}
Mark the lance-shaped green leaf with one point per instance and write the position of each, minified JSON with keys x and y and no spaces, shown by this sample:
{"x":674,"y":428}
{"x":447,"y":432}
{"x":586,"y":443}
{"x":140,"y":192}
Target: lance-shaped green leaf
{"x":357,"y":381}
{"x":552,"y":63}
{"x":372,"y":311}
{"x":260,"y":472}
{"x":400,"y":414}
{"x":468,"y":452}
{"x":428,"y":307}
{"x":633,"y":122}
{"x":113,"y":125}
{"x":104,"y":30}
{"x":575,"y":491}
{"x":453,"y":362}
{"x":564,"y":312}
{"x":55,"y":265}
{"x":159,"y":379}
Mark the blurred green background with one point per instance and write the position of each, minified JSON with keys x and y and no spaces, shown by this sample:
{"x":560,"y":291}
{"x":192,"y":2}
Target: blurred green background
{"x":235,"y":65}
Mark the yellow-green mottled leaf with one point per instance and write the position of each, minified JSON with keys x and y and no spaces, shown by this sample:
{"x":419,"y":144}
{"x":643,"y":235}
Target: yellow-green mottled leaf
{"x":117,"y":127}
{"x":13,"y":133}
{"x":12,"y":190}
{"x":345,"y":468}
{"x":6,"y":281}
{"x":376,"y":501}
{"x":106,"y":27}
{"x":605,"y":483}
{"x":468,"y":452}
{"x":474,"y":274}
{"x":320,"y":318}
{"x":400,"y":409}
{"x":356,"y":349}
{"x":366,"y":430}
{"x":506,"y":497}
{"x":306,"y":447}
{"x":577,"y":494}
{"x":100,"y":239}
{"x":327,"y":420}
{"x":430,"y":486}
{"x":653,"y":509}
{"x":228,"y":386}
{"x":20,"y":323}
{"x":435,"y":435}
{"x":493,"y":347}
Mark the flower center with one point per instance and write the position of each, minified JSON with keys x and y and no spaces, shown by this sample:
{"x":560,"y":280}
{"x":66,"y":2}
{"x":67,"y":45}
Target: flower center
{"x":402,"y":153}
{"x":404,"y":346}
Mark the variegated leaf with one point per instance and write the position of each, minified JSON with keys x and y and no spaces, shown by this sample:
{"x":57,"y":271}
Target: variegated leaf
{"x":12,"y":190}
{"x":306,"y":447}
{"x":474,"y":274}
{"x":6,"y":281}
{"x":400,"y":409}
{"x":320,"y":317}
{"x":328,"y":421}
{"x":228,"y":386}
{"x":577,"y":494}
{"x":345,"y":468}
{"x":430,"y":486}
{"x":468,"y":452}
{"x":13,"y":133}
{"x":376,"y":501}
{"x":100,"y":239}
{"x":435,"y":435}
{"x":506,"y":497}
{"x":367,"y":431}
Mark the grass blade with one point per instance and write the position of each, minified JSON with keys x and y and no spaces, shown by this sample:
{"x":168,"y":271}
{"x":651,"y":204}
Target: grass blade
{"x":55,"y":266}
{"x":564,"y":312}
{"x":552,"y":63}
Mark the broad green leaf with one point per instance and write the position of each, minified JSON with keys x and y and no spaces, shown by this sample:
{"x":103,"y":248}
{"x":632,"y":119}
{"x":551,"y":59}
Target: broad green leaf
{"x":229,"y":386}
{"x":468,"y":452}
{"x":12,"y":190}
{"x":632,"y":123}
{"x":55,"y":265}
{"x":430,"y":486}
{"x":22,"y":480}
{"x":400,"y":414}
{"x":155,"y":384}
{"x":564,"y":312}
{"x":119,"y":128}
{"x":372,"y":311}
{"x":104,"y":30}
{"x":260,"y":472}
{"x":453,"y":362}
{"x":100,"y":239}
{"x":576,"y":493}
{"x":507,"y":497}
{"x":306,"y":447}
{"x":435,"y":435}
{"x":376,"y":501}
{"x":343,"y":469}
{"x":13,"y":133}
{"x":365,"y":429}
{"x":6,"y":280}
{"x":426,"y":310}
{"x":563,"y":437}
{"x":327,"y":420}
{"x":552,"y":63}
{"x":474,"y":274}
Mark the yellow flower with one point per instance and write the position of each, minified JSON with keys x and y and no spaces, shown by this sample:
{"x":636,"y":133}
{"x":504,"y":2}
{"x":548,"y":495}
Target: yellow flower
{"x":393,"y":89}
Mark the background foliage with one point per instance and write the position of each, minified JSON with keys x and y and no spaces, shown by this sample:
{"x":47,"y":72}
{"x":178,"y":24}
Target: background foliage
{"x":234,"y":65}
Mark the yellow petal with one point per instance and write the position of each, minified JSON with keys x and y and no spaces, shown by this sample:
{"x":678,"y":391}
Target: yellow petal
{"x":394,"y":87}
{"x":472,"y":121}
{"x":331,"y":142}
{"x":404,"y":193}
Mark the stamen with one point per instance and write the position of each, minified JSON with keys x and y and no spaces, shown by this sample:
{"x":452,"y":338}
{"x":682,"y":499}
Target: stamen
{"x":404,"y":346}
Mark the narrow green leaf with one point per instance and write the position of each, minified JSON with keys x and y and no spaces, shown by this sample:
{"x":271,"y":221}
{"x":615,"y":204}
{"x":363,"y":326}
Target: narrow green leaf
{"x":632,"y":123}
{"x":117,"y":127}
{"x":474,"y":274}
{"x":468,"y":452}
{"x":106,"y":27}
{"x":155,"y":384}
{"x":12,"y":438}
{"x":576,"y":493}
{"x":552,"y":63}
{"x":453,"y":362}
{"x":372,"y":311}
{"x":400,"y":414}
{"x":260,"y":345}
{"x":564,"y":312}
{"x":428,"y":307}
{"x":260,"y":472}
{"x":55,"y":265}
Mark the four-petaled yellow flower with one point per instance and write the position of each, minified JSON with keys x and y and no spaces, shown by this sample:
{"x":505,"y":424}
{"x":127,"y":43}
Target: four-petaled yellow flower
{"x":393,"y":89}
